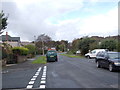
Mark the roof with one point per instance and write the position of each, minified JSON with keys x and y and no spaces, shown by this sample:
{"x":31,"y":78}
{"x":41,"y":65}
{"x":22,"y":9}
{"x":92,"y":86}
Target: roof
{"x":10,"y":38}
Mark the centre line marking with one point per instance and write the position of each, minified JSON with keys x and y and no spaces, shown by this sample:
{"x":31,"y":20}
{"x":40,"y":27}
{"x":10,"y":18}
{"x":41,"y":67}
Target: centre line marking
{"x":31,"y":82}
{"x":29,"y":86}
{"x":44,"y":74}
{"x":34,"y":76}
{"x":37,"y":72}
{"x":33,"y":79}
{"x":43,"y":82}
{"x":42,"y":86}
{"x":43,"y":78}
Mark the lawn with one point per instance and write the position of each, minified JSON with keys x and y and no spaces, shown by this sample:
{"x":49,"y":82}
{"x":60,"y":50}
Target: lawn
{"x":72,"y":56}
{"x":40,"y":60}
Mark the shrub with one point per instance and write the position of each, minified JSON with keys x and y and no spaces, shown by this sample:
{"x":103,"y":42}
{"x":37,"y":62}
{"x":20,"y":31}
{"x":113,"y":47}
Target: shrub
{"x":84,"y":45}
{"x":6,"y":49}
{"x":31,"y":49}
{"x":108,"y":44}
{"x":20,"y":50}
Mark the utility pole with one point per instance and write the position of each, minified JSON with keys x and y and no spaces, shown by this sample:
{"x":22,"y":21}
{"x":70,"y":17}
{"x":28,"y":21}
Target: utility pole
{"x":35,"y":43}
{"x":43,"y":46}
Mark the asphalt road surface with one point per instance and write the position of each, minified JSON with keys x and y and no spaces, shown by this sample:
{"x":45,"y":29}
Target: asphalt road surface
{"x":66,"y":73}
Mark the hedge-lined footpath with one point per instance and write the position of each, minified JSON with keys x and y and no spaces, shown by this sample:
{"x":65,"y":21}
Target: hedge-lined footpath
{"x":40,"y":60}
{"x":72,"y":56}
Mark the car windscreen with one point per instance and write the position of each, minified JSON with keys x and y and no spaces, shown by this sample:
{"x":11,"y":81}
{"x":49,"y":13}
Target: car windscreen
{"x":114,"y":55}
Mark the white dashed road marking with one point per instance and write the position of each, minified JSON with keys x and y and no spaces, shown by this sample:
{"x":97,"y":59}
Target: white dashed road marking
{"x":30,"y":84}
{"x":43,"y":82}
{"x":43,"y":78}
{"x":34,"y":76}
{"x":33,"y":79}
{"x":42,"y":86}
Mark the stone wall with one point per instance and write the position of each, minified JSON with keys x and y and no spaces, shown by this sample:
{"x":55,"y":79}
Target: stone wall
{"x":21,"y":59}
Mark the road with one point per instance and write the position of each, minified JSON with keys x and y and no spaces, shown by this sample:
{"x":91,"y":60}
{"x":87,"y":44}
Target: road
{"x":66,"y":73}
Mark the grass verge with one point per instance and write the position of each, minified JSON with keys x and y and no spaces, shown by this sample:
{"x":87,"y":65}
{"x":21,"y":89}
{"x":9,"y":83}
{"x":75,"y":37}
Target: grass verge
{"x":40,"y":60}
{"x":72,"y":56}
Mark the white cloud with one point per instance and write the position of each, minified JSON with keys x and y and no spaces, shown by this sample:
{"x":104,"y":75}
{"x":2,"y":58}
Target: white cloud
{"x":31,"y":18}
{"x":104,"y":24}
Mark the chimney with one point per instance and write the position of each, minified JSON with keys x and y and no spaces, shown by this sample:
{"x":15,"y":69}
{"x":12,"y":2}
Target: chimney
{"x":6,"y":36}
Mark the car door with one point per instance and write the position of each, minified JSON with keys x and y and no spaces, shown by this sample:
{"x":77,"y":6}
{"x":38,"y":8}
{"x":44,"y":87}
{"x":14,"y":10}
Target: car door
{"x":102,"y":61}
{"x":100,"y":58}
{"x":106,"y":60}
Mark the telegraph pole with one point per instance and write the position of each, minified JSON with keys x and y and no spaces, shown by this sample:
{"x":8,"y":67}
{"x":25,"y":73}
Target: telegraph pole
{"x":43,"y":46}
{"x":35,"y":43}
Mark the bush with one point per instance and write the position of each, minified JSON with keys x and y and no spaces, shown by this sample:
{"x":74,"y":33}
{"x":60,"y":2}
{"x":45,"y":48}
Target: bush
{"x":84,"y":45}
{"x":31,"y":49}
{"x":20,"y":50}
{"x":5,"y":50}
{"x":118,"y":46}
{"x":108,"y":44}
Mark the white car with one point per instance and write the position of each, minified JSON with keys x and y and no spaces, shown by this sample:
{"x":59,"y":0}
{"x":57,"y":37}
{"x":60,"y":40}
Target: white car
{"x":93,"y":53}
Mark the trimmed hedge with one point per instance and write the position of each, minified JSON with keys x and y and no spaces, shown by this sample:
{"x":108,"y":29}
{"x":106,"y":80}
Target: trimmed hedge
{"x":20,"y":50}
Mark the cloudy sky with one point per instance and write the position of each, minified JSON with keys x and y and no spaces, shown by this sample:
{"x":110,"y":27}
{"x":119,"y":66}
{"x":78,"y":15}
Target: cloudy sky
{"x":61,"y":19}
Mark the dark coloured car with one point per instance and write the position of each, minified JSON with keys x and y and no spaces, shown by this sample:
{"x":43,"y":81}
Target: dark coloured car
{"x":110,"y":60}
{"x":51,"y":55}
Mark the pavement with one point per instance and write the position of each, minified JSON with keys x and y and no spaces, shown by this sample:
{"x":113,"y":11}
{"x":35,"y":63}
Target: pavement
{"x":66,"y":73}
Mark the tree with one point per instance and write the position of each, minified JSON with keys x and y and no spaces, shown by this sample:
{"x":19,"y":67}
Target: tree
{"x":108,"y":44}
{"x":42,"y":40}
{"x":84,"y":44}
{"x":75,"y":46}
{"x":3,"y":21}
{"x":118,"y":46}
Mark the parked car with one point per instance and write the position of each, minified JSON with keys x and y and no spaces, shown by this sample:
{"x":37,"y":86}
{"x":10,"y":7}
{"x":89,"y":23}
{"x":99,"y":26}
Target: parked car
{"x":93,"y":53}
{"x":110,"y":60}
{"x":51,"y":55}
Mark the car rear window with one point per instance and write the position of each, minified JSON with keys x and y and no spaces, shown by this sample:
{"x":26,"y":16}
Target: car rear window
{"x":51,"y":52}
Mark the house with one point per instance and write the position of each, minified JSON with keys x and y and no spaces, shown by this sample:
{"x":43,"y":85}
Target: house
{"x":9,"y":38}
{"x":13,"y":41}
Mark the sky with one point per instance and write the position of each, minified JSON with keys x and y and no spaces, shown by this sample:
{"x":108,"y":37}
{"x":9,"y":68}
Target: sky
{"x":61,"y":19}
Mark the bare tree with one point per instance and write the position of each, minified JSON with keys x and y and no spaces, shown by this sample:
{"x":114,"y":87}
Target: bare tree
{"x":42,"y":39}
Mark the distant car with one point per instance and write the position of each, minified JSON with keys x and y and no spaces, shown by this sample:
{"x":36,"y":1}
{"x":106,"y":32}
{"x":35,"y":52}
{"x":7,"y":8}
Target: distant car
{"x":110,"y":60}
{"x":51,"y":55}
{"x":93,"y":53}
{"x":78,"y":52}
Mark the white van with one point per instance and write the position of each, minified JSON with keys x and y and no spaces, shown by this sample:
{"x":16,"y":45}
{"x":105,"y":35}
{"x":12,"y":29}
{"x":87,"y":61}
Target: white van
{"x":93,"y":53}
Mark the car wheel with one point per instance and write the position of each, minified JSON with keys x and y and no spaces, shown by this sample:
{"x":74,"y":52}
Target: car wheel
{"x":98,"y":64}
{"x":88,"y":57}
{"x":111,"y":68}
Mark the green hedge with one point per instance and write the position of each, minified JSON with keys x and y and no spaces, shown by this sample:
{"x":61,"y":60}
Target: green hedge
{"x":31,"y":49}
{"x":20,"y":50}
